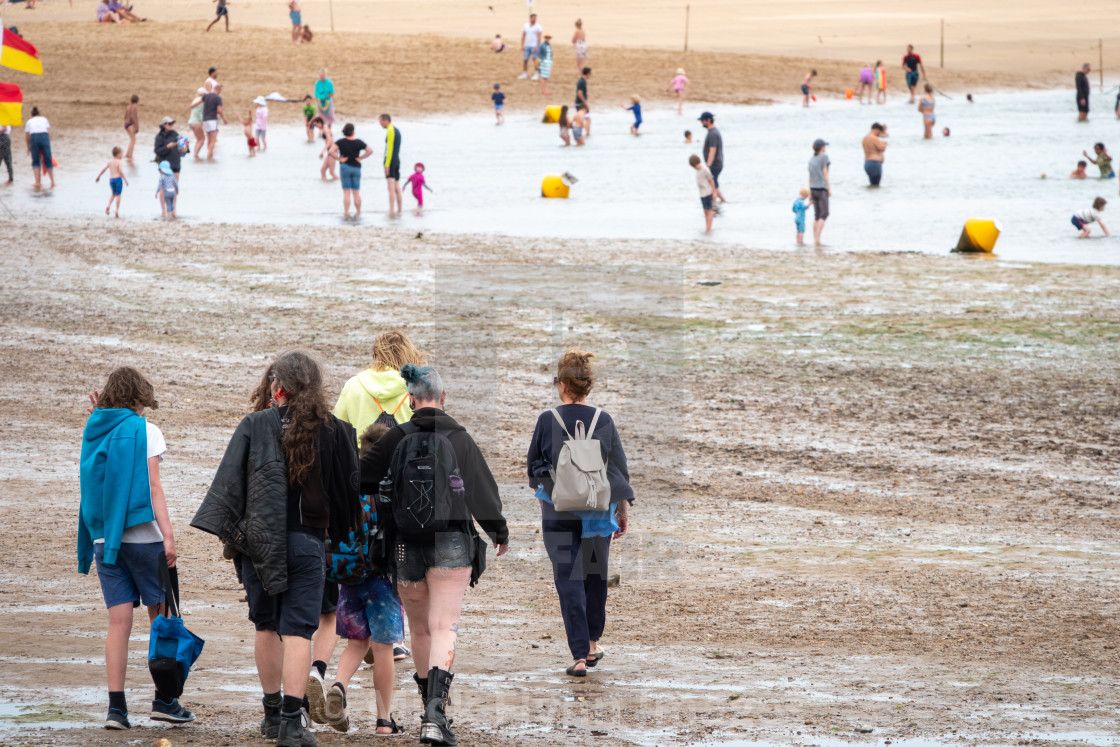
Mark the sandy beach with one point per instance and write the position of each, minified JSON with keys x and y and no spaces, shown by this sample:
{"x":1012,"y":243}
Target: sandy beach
{"x":912,"y":461}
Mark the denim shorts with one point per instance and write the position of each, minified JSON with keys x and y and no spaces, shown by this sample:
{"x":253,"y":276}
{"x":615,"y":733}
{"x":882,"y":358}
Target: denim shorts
{"x":369,"y":610}
{"x":293,"y":612}
{"x":706,"y":201}
{"x":449,"y":550}
{"x":41,"y":151}
{"x":135,"y":577}
{"x":351,"y":176}
{"x":528,"y":53}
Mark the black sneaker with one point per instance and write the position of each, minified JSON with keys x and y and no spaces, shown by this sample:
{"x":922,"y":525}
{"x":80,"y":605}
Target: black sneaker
{"x":117,"y":719}
{"x":172,"y":713}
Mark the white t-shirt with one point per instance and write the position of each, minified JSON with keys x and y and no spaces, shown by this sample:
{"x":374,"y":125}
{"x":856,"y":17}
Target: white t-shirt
{"x":532,"y":34}
{"x":148,"y":532}
{"x":5,"y":129}
{"x":1089,"y":216}
{"x":213,"y":84}
{"x":36,"y":125}
{"x":703,"y":180}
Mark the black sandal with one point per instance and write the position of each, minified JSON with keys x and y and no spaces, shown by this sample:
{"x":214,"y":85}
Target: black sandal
{"x":392,"y":724}
{"x":572,"y":671}
{"x":593,"y":659}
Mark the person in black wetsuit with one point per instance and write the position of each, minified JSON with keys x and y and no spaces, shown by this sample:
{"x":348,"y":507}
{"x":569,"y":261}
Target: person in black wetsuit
{"x":1081,"y":80}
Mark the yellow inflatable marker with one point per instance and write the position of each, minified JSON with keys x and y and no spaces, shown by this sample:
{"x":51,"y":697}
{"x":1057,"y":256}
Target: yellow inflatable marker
{"x":557,"y":185}
{"x":551,"y":115}
{"x":978,"y":235}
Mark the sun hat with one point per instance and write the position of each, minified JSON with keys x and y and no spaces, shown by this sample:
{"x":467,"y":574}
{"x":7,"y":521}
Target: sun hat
{"x":680,"y":71}
{"x":707,"y":115}
{"x":260,"y":101}
{"x":548,"y":36}
{"x":165,"y":168}
{"x":819,"y":143}
{"x":166,"y":120}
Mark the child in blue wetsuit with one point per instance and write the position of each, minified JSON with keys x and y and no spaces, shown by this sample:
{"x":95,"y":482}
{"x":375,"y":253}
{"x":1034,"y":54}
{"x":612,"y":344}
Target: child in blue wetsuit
{"x":499,"y":100}
{"x":636,"y":107}
{"x":800,"y":205}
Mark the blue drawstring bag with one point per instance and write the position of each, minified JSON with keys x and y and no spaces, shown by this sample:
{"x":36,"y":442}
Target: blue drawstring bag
{"x":172,"y":649}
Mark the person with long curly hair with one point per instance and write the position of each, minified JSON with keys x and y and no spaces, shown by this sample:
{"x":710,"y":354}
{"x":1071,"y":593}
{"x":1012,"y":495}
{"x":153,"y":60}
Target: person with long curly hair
{"x":287,"y":480}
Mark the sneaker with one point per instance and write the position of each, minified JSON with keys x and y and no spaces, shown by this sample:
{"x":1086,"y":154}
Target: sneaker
{"x":536,"y":76}
{"x":337,"y":715}
{"x":400,"y":653}
{"x":523,"y":76}
{"x":316,"y":697}
{"x":117,"y":719}
{"x":172,"y":713}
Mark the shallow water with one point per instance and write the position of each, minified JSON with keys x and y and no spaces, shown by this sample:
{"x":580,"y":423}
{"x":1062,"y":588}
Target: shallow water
{"x":487,"y":178}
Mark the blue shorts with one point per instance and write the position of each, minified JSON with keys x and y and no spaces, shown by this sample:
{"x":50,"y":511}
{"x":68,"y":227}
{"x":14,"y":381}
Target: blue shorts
{"x":117,"y":185}
{"x":369,"y":610}
{"x":804,"y":89}
{"x":135,"y":577}
{"x":295,"y":611}
{"x":1077,"y":223}
{"x":294,"y":15}
{"x":351,"y":176}
{"x":911,"y":79}
{"x":41,"y":151}
{"x":498,"y":107}
{"x":706,"y":201}
{"x":528,"y":53}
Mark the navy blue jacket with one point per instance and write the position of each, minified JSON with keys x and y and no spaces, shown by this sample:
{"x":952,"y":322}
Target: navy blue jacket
{"x":548,"y":437}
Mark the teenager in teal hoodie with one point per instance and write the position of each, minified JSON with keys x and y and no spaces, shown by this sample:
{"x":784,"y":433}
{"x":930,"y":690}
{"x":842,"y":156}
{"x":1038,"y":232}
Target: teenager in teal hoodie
{"x":123,"y":524}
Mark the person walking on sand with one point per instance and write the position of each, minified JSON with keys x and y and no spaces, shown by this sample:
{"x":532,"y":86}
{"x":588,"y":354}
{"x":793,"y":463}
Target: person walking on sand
{"x":221,"y":12}
{"x":295,"y":16}
{"x":578,"y":542}
{"x":1081,"y":82}
{"x":194,"y":121}
{"x":925,"y":106}
{"x":678,"y":84}
{"x":581,"y":96}
{"x":37,"y":132}
{"x":392,"y":163}
{"x":167,"y":146}
{"x":324,"y":95}
{"x":350,"y":153}
{"x":544,"y":57}
{"x":713,"y":151}
{"x":866,"y":80}
{"x":132,"y":123}
{"x":117,"y":180}
{"x":434,"y":563}
{"x":211,"y":111}
{"x":167,"y":191}
{"x":874,"y":147}
{"x":807,"y":87}
{"x":579,"y":41}
{"x":530,"y":40}
{"x":820,"y":190}
{"x":880,"y":83}
{"x":499,"y":100}
{"x":287,"y":482}
{"x":6,"y":150}
{"x":911,"y":64}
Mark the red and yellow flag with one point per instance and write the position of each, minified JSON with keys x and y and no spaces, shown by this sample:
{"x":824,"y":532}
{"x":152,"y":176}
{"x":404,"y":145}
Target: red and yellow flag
{"x":11,"y":105}
{"x":18,"y":54}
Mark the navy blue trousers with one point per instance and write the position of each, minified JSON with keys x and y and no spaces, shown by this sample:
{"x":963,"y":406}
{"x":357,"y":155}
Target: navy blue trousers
{"x":579,"y":570}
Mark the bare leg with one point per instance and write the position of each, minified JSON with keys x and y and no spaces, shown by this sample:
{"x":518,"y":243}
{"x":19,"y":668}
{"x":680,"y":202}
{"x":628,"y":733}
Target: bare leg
{"x":325,"y":639}
{"x":357,"y":203}
{"x":269,"y":652}
{"x":211,"y":141}
{"x":818,"y":226}
{"x":131,"y":142}
{"x":346,"y":203}
{"x":445,"y":599}
{"x":116,"y":644}
{"x":384,"y":674}
{"x":50,"y":173}
{"x":297,"y":663}
{"x":414,"y":596}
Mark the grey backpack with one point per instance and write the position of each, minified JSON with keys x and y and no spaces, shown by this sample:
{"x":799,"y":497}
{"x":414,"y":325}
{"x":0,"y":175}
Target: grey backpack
{"x":580,"y":476}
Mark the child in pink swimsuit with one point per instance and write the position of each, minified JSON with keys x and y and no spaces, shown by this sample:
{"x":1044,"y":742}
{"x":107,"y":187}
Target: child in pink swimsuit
{"x":418,"y":184}
{"x":677,"y":84}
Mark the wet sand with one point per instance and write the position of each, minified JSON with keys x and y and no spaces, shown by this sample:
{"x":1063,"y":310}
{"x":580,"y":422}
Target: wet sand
{"x":874,"y":490}
{"x":84,"y":87}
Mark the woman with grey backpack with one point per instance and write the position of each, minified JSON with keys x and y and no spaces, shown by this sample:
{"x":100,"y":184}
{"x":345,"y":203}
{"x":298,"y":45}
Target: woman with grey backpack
{"x":578,"y":468}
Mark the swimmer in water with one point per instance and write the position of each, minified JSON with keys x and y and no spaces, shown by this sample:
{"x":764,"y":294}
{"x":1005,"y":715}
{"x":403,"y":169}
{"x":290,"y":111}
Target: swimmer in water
{"x":925,"y":106}
{"x":1083,"y":218}
{"x":688,"y":136}
{"x":945,"y":132}
{"x":1079,"y":172}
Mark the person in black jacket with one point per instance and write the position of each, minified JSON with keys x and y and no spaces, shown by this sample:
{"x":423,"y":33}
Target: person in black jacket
{"x":289,"y":476}
{"x":432,"y":576}
{"x":579,"y":543}
{"x":167,"y":145}
{"x":1081,"y":82}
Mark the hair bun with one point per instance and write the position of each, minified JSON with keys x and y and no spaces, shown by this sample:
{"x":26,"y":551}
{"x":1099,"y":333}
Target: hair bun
{"x":410,"y":373}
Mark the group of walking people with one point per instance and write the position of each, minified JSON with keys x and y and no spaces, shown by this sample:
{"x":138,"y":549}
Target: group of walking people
{"x":335,"y":519}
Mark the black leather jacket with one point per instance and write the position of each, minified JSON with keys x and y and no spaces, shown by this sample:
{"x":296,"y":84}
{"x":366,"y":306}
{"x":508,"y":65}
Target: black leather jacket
{"x":246,"y":505}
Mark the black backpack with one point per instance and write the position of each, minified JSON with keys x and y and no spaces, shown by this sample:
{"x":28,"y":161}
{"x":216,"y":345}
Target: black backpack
{"x":386,"y":418}
{"x":427,"y":490}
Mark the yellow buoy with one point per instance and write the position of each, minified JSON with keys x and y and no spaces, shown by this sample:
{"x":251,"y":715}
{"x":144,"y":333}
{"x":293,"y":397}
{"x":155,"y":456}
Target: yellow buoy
{"x":978,"y":235}
{"x":551,"y":115}
{"x":554,"y":186}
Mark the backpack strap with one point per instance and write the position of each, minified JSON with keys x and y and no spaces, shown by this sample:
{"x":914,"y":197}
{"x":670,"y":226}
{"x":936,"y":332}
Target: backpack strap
{"x":560,"y":420}
{"x":399,"y":404}
{"x":408,"y":427}
{"x":379,"y":407}
{"x":594,"y":421}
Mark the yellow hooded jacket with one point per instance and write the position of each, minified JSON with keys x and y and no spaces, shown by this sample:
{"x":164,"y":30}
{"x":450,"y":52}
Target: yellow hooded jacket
{"x":357,"y":404}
